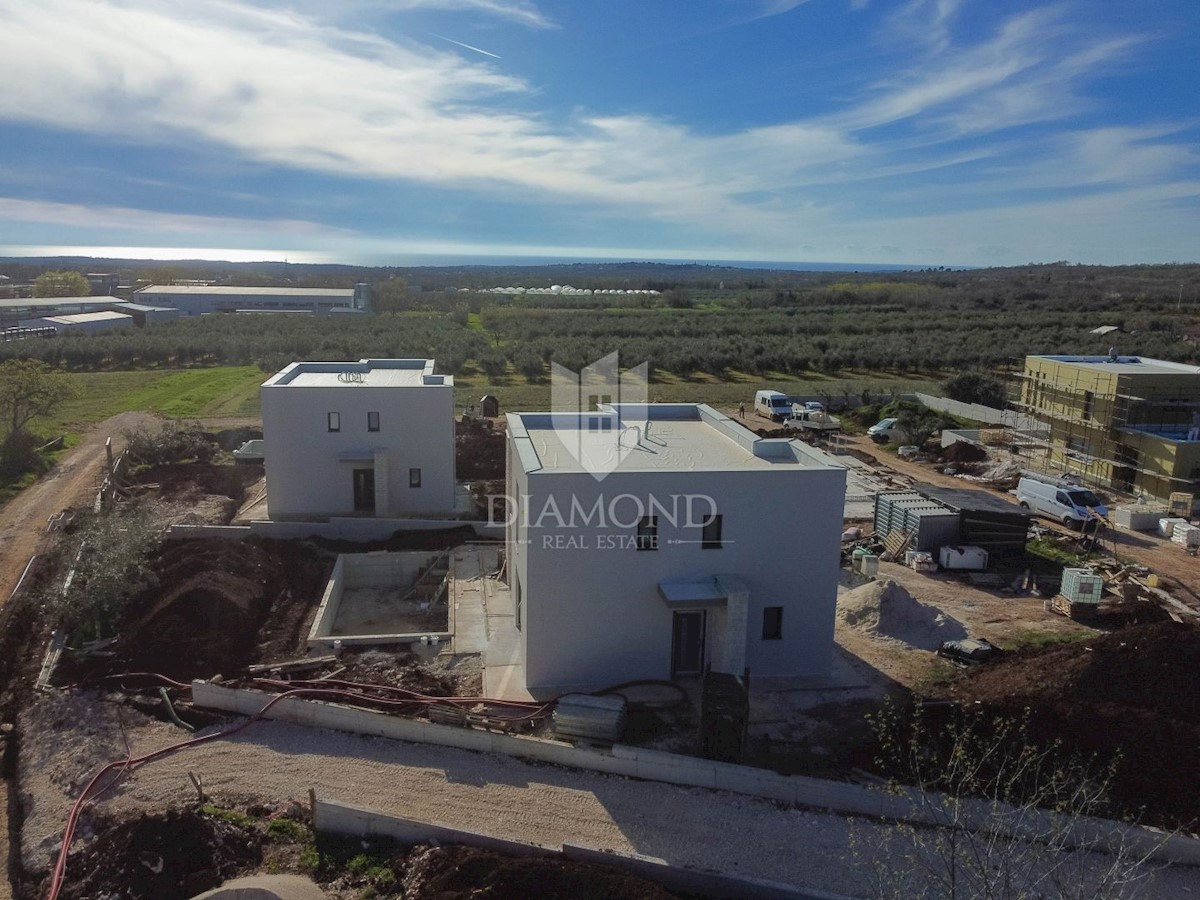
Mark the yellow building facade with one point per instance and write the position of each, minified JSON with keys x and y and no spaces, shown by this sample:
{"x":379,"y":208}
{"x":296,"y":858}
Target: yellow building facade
{"x":1125,"y":422}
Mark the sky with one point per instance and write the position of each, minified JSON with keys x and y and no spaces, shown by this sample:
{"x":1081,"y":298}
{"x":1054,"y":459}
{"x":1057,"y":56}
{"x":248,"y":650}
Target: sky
{"x":920,"y":132}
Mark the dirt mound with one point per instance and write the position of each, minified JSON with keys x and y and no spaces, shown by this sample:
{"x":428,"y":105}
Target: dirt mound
{"x":962,"y":451}
{"x":478,"y":450}
{"x":203,"y":617}
{"x":1132,"y":696}
{"x":1152,"y":668}
{"x":397,"y":670}
{"x":193,"y":479}
{"x":885,"y":609}
{"x":775,"y":432}
{"x":176,"y":855}
{"x":448,"y":873}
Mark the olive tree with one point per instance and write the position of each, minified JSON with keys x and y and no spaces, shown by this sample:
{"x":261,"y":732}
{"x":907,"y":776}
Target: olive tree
{"x":61,"y":284}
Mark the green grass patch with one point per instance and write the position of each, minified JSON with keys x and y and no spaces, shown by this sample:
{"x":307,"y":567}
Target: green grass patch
{"x":1034,"y":639}
{"x":232,"y":816}
{"x":289,"y":831}
{"x":1054,"y":553}
{"x":181,"y":394}
{"x":517,"y":395}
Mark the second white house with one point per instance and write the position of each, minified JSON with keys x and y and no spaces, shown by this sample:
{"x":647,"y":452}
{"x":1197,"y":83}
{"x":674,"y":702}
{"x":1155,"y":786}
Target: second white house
{"x":370,"y":438}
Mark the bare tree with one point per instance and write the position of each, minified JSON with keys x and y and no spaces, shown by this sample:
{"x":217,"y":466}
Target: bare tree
{"x":998,"y":817}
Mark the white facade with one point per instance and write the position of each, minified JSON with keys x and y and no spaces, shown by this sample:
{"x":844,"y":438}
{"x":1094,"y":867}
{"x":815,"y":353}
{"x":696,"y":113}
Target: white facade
{"x":594,"y":610}
{"x":88,"y":322}
{"x":372,"y":438}
{"x":199,"y":300}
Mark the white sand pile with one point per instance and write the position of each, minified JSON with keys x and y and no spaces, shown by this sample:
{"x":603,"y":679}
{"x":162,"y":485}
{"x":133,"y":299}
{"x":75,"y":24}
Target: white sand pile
{"x":884,"y":608}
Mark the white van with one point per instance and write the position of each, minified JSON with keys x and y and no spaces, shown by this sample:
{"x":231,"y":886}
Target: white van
{"x":885,"y":430}
{"x":773,"y":405}
{"x":1068,"y":503}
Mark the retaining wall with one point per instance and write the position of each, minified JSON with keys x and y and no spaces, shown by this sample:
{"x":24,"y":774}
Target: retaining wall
{"x":330,"y":816}
{"x":336,"y":529}
{"x":906,"y":804}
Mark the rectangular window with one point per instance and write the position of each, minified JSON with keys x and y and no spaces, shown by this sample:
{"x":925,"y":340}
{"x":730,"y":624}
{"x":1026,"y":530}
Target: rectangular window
{"x":335,"y":422}
{"x":1089,"y":401}
{"x":414,"y":478}
{"x":372,"y":421}
{"x":710,"y":535}
{"x":647,"y":533}
{"x":772,"y":623}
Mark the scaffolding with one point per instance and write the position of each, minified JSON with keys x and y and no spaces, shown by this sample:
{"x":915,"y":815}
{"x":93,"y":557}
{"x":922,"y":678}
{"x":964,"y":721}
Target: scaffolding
{"x":1091,"y":417}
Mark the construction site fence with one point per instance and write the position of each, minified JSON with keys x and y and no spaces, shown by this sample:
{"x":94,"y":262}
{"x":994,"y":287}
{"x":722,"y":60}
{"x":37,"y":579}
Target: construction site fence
{"x":331,"y":816}
{"x":902,"y":804}
{"x":337,"y":529}
{"x":988,"y":415}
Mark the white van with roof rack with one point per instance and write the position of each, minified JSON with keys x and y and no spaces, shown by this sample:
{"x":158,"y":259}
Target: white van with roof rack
{"x":1071,"y":504}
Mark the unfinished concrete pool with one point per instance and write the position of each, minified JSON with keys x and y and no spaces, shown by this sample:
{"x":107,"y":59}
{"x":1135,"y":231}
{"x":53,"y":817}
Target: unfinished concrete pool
{"x":385,"y":598}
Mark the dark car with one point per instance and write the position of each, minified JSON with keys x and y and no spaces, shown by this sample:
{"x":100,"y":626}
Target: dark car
{"x":969,"y":651}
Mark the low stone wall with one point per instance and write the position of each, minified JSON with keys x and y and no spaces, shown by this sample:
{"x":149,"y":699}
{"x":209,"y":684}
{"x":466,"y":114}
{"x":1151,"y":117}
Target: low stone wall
{"x":330,"y":816}
{"x":906,"y":804}
{"x":336,"y":529}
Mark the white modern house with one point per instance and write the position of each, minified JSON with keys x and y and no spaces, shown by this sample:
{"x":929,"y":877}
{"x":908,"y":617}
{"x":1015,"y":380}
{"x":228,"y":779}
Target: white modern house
{"x":653,"y":540}
{"x":367,"y":438}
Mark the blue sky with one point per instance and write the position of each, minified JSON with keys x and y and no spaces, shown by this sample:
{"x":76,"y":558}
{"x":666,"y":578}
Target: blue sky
{"x":957,"y":132}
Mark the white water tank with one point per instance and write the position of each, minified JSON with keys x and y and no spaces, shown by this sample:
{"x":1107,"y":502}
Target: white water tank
{"x":965,"y":558}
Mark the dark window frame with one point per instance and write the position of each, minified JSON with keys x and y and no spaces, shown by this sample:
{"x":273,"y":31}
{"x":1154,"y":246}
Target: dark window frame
{"x":710,"y":533}
{"x":333,"y":422}
{"x":414,"y":477}
{"x":772,"y":629}
{"x":647,"y":533}
{"x":372,"y":421}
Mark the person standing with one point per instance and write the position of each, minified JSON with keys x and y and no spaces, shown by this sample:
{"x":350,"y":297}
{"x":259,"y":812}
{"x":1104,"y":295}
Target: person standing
{"x":742,"y":409}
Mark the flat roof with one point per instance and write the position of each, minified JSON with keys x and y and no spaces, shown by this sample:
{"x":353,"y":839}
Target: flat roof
{"x":31,"y":302}
{"x":80,"y":318}
{"x":1126,"y":365}
{"x":966,"y":499}
{"x":364,"y":373}
{"x":228,"y":290}
{"x":679,"y":437}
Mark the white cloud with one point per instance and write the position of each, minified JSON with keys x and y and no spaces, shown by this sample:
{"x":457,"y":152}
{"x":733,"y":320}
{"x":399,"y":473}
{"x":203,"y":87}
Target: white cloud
{"x":522,"y":12}
{"x":126,"y":219}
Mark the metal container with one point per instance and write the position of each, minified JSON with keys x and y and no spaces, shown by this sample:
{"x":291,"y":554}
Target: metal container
{"x":1082,"y":586}
{"x":587,"y":717}
{"x":908,"y":512}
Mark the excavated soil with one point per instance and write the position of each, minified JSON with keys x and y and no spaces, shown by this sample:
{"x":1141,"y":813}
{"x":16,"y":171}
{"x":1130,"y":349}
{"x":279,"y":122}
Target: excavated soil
{"x":176,"y":855}
{"x":397,"y":670}
{"x":963,"y":452}
{"x":194,"y":493}
{"x":1132,"y":696}
{"x":220,"y":605}
{"x":478,"y":450}
{"x":457,"y":873}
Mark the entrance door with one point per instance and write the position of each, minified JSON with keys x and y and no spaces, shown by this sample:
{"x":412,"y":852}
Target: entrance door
{"x":687,"y":643}
{"x":364,"y":490}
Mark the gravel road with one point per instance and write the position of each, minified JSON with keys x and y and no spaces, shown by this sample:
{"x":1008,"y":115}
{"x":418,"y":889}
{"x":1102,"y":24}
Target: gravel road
{"x":494,"y":794}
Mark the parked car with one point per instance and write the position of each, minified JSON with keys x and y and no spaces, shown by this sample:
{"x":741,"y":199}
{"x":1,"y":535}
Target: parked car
{"x":1070,"y":504}
{"x":969,"y":651}
{"x":884,"y":430}
{"x":250,"y":453}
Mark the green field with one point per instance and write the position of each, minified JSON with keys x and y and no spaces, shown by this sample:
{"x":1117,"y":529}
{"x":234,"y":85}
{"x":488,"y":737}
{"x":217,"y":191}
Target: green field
{"x":182,"y":394}
{"x":517,"y":395}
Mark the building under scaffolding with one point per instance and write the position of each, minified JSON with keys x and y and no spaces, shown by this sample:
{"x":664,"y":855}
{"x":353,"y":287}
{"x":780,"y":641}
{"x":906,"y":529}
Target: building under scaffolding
{"x":1125,"y":422}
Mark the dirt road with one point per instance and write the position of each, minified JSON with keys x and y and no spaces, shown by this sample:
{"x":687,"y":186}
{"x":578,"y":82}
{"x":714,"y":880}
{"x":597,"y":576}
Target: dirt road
{"x":1169,"y":560}
{"x":69,"y":483}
